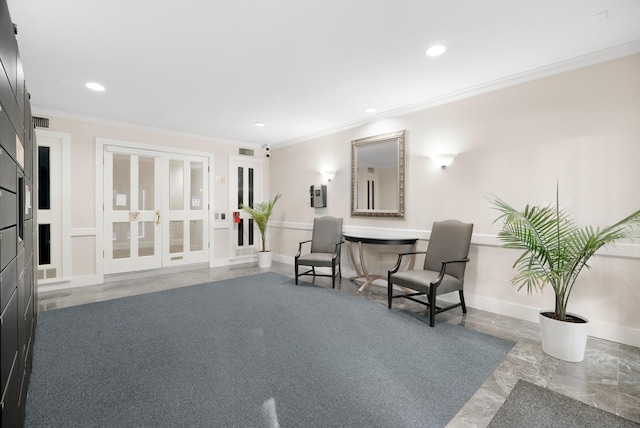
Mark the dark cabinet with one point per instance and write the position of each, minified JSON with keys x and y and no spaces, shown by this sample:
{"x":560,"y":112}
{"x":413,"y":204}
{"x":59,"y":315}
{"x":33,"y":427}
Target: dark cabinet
{"x":8,"y":168}
{"x":9,"y":335}
{"x":8,"y":282}
{"x":18,"y":310}
{"x":8,"y":209}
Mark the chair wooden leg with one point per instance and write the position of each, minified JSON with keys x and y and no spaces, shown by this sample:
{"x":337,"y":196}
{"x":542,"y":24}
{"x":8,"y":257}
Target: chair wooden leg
{"x":296,"y":271}
{"x":432,"y":307}
{"x":389,"y":291}
{"x":333,"y":276}
{"x":464,"y":307}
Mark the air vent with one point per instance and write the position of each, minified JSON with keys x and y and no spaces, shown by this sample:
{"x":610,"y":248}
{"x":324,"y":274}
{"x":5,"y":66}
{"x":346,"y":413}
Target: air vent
{"x":246,"y":251}
{"x":40,"y":122}
{"x":246,"y":152}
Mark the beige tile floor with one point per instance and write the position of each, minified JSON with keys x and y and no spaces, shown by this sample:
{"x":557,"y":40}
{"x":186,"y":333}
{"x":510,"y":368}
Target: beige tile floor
{"x":608,"y":378}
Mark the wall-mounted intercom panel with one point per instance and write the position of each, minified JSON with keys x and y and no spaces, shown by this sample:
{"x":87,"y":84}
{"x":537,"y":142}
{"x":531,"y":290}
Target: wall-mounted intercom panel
{"x":318,"y":195}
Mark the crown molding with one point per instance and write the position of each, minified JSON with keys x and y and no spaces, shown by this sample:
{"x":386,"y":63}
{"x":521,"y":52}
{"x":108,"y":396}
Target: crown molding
{"x":36,"y":111}
{"x":575,"y":63}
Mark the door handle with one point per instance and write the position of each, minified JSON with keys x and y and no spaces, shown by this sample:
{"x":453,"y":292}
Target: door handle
{"x":157,"y":216}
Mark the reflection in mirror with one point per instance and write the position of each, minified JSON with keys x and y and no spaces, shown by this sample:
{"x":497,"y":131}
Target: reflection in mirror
{"x":377,"y":176}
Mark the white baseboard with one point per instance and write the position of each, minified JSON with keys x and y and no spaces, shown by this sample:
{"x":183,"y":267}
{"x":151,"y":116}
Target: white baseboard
{"x":599,"y":329}
{"x":82,"y":281}
{"x":227,"y":262}
{"x":87,"y":280}
{"x":62,"y":285}
{"x":289,"y":260}
{"x":615,"y":333}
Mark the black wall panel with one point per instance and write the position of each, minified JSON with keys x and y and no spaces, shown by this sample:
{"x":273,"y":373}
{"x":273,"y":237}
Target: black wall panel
{"x":8,"y":170}
{"x":9,"y":59}
{"x":8,"y":246}
{"x":9,"y":335}
{"x":28,"y":236}
{"x":19,"y":91}
{"x":11,"y":411}
{"x":8,"y":209}
{"x":8,"y":282}
{"x":18,"y":307}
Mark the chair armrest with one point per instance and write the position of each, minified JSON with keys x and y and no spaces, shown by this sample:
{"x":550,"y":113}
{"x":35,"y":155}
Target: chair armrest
{"x":399,"y":261}
{"x":444,"y":263}
{"x":443,"y":269}
{"x":338,"y":249}
{"x":300,"y":247}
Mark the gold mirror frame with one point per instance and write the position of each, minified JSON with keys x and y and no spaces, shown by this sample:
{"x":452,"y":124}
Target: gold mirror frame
{"x":398,"y":138}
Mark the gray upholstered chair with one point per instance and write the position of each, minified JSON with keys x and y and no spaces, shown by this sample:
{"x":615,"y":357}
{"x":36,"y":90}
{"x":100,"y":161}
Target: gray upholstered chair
{"x":326,"y":242}
{"x":443,"y":270}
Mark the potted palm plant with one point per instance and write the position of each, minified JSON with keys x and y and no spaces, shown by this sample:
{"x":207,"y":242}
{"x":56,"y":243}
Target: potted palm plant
{"x":261,"y":212}
{"x":554,"y":252}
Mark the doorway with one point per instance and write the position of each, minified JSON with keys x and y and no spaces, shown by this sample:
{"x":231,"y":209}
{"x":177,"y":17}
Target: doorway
{"x":245,"y":187}
{"x":53,"y":205}
{"x":156,"y":209}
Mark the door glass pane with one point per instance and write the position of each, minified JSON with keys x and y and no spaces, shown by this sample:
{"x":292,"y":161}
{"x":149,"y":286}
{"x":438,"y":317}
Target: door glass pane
{"x":195,"y":235}
{"x":240,"y":186}
{"x":197,"y":169}
{"x":251,"y":187}
{"x":176,"y":185}
{"x":121,"y":241}
{"x":44,"y":180}
{"x":44,"y":244}
{"x":176,"y":236}
{"x":121,"y":181}
{"x":146,"y":238}
{"x":145,"y":183}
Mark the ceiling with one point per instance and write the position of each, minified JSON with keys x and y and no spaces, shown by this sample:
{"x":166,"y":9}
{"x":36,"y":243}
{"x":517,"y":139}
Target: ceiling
{"x":303,"y":68}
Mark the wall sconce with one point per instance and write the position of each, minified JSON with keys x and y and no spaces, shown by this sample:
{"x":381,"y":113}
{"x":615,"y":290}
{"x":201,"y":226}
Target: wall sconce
{"x":443,"y":160}
{"x":328,"y":175}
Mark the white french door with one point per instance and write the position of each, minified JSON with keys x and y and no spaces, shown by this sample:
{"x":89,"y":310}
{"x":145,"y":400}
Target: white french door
{"x":155,"y":209}
{"x":132,"y":209}
{"x":245,"y":187}
{"x":186,"y":223}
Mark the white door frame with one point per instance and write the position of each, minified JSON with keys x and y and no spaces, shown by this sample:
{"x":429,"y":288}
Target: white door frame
{"x":259,"y":194}
{"x":99,"y":167}
{"x":64,"y":201}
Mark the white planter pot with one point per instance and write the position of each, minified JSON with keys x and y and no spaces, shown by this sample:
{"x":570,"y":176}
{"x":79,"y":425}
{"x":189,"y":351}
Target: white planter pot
{"x":264,"y":259}
{"x":564,"y":340}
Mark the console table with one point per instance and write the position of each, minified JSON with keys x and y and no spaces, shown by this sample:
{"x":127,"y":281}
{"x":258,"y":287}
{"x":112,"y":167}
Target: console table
{"x":361,"y":267}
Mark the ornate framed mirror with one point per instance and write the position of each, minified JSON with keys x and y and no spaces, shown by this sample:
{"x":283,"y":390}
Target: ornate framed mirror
{"x":377,"y":176}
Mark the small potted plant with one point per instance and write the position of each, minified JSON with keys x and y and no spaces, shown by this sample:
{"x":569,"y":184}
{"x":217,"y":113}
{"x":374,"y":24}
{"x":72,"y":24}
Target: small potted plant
{"x":555,"y":250}
{"x":261,"y":212}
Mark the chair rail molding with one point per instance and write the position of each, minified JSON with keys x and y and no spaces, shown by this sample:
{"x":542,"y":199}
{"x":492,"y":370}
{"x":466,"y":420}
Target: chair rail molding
{"x":628,"y":250}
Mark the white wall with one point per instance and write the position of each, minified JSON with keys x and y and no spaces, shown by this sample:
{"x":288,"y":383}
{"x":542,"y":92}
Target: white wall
{"x":84,"y":230}
{"x":579,"y":128}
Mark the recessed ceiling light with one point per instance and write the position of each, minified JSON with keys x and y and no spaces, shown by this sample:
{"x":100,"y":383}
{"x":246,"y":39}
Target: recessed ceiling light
{"x":371,"y":110}
{"x":95,"y":86}
{"x":258,"y":124}
{"x":436,"y":50}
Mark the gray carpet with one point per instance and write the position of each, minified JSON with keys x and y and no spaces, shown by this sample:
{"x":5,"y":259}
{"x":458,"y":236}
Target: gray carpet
{"x":532,"y":406}
{"x":255,"y":351}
